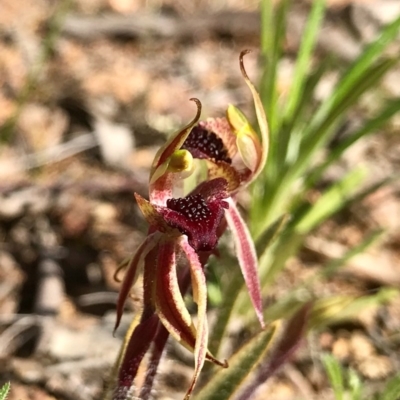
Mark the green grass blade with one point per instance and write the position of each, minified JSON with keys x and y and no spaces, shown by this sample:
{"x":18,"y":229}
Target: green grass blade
{"x":275,"y":260}
{"x":368,"y":57}
{"x":310,"y":36}
{"x":302,"y":292}
{"x":331,"y":201}
{"x":373,"y":188}
{"x":269,"y":235}
{"x":316,"y":137}
{"x":340,"y":308}
{"x":300,"y":74}
{"x":4,"y":390}
{"x":227,"y":381}
{"x":367,"y":242}
{"x":370,"y":126}
{"x":301,"y":113}
{"x":260,"y":217}
{"x":267,"y":34}
{"x":225,"y":309}
{"x":392,"y":389}
{"x":273,"y":43}
{"x":355,"y":385}
{"x":335,"y":375}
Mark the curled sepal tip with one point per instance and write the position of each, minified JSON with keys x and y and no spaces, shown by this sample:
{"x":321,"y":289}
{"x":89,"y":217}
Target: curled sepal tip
{"x":164,"y":154}
{"x":261,"y":118}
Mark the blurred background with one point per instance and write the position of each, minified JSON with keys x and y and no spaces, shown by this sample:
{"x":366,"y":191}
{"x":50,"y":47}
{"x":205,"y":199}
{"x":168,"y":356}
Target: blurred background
{"x":88,"y":91}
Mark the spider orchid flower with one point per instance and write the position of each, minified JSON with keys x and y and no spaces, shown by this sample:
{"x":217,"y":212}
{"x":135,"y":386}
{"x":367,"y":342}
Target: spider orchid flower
{"x":184,"y":231}
{"x":233,"y":151}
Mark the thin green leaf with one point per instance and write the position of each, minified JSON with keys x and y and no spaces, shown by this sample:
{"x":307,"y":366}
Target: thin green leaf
{"x":300,"y":114}
{"x":335,"y":375}
{"x":298,"y":295}
{"x":290,"y":341}
{"x":272,"y":56}
{"x":374,"y":187}
{"x":303,"y":61}
{"x":267,"y":34}
{"x":316,"y":136}
{"x":355,"y":385}
{"x":225,"y":309}
{"x":368,"y":241}
{"x":4,"y":390}
{"x":331,"y":201}
{"x":370,"y":126}
{"x":227,"y":381}
{"x":270,"y":234}
{"x":335,"y":309}
{"x":292,"y":128}
{"x":274,"y":261}
{"x":280,"y":194}
{"x":392,"y":389}
{"x":358,"y":68}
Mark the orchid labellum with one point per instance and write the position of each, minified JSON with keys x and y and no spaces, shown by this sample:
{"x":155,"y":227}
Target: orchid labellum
{"x":184,"y":231}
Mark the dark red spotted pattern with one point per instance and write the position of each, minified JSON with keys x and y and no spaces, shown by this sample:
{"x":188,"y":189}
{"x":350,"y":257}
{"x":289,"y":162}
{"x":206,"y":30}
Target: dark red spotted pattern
{"x":206,"y":144}
{"x":193,"y":207}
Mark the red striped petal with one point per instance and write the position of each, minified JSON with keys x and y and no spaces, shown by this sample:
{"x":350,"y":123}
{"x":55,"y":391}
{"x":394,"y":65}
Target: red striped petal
{"x":137,"y":347}
{"x":247,"y":257}
{"x":169,"y":302}
{"x":132,"y":273}
{"x":199,"y":287}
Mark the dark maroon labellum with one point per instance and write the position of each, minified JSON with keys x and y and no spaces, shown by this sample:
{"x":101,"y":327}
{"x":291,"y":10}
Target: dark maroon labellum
{"x":192,"y":207}
{"x":197,"y":218}
{"x":205,"y":144}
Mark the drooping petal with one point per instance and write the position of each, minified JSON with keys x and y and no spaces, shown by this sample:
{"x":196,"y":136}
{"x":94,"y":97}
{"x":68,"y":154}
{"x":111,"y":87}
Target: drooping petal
{"x":159,"y":343}
{"x":161,"y":339}
{"x":170,"y":161}
{"x":199,"y":286}
{"x":145,"y":332}
{"x":247,"y":257}
{"x":169,"y":302}
{"x":261,"y":118}
{"x":137,"y":347}
{"x":133,"y":271}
